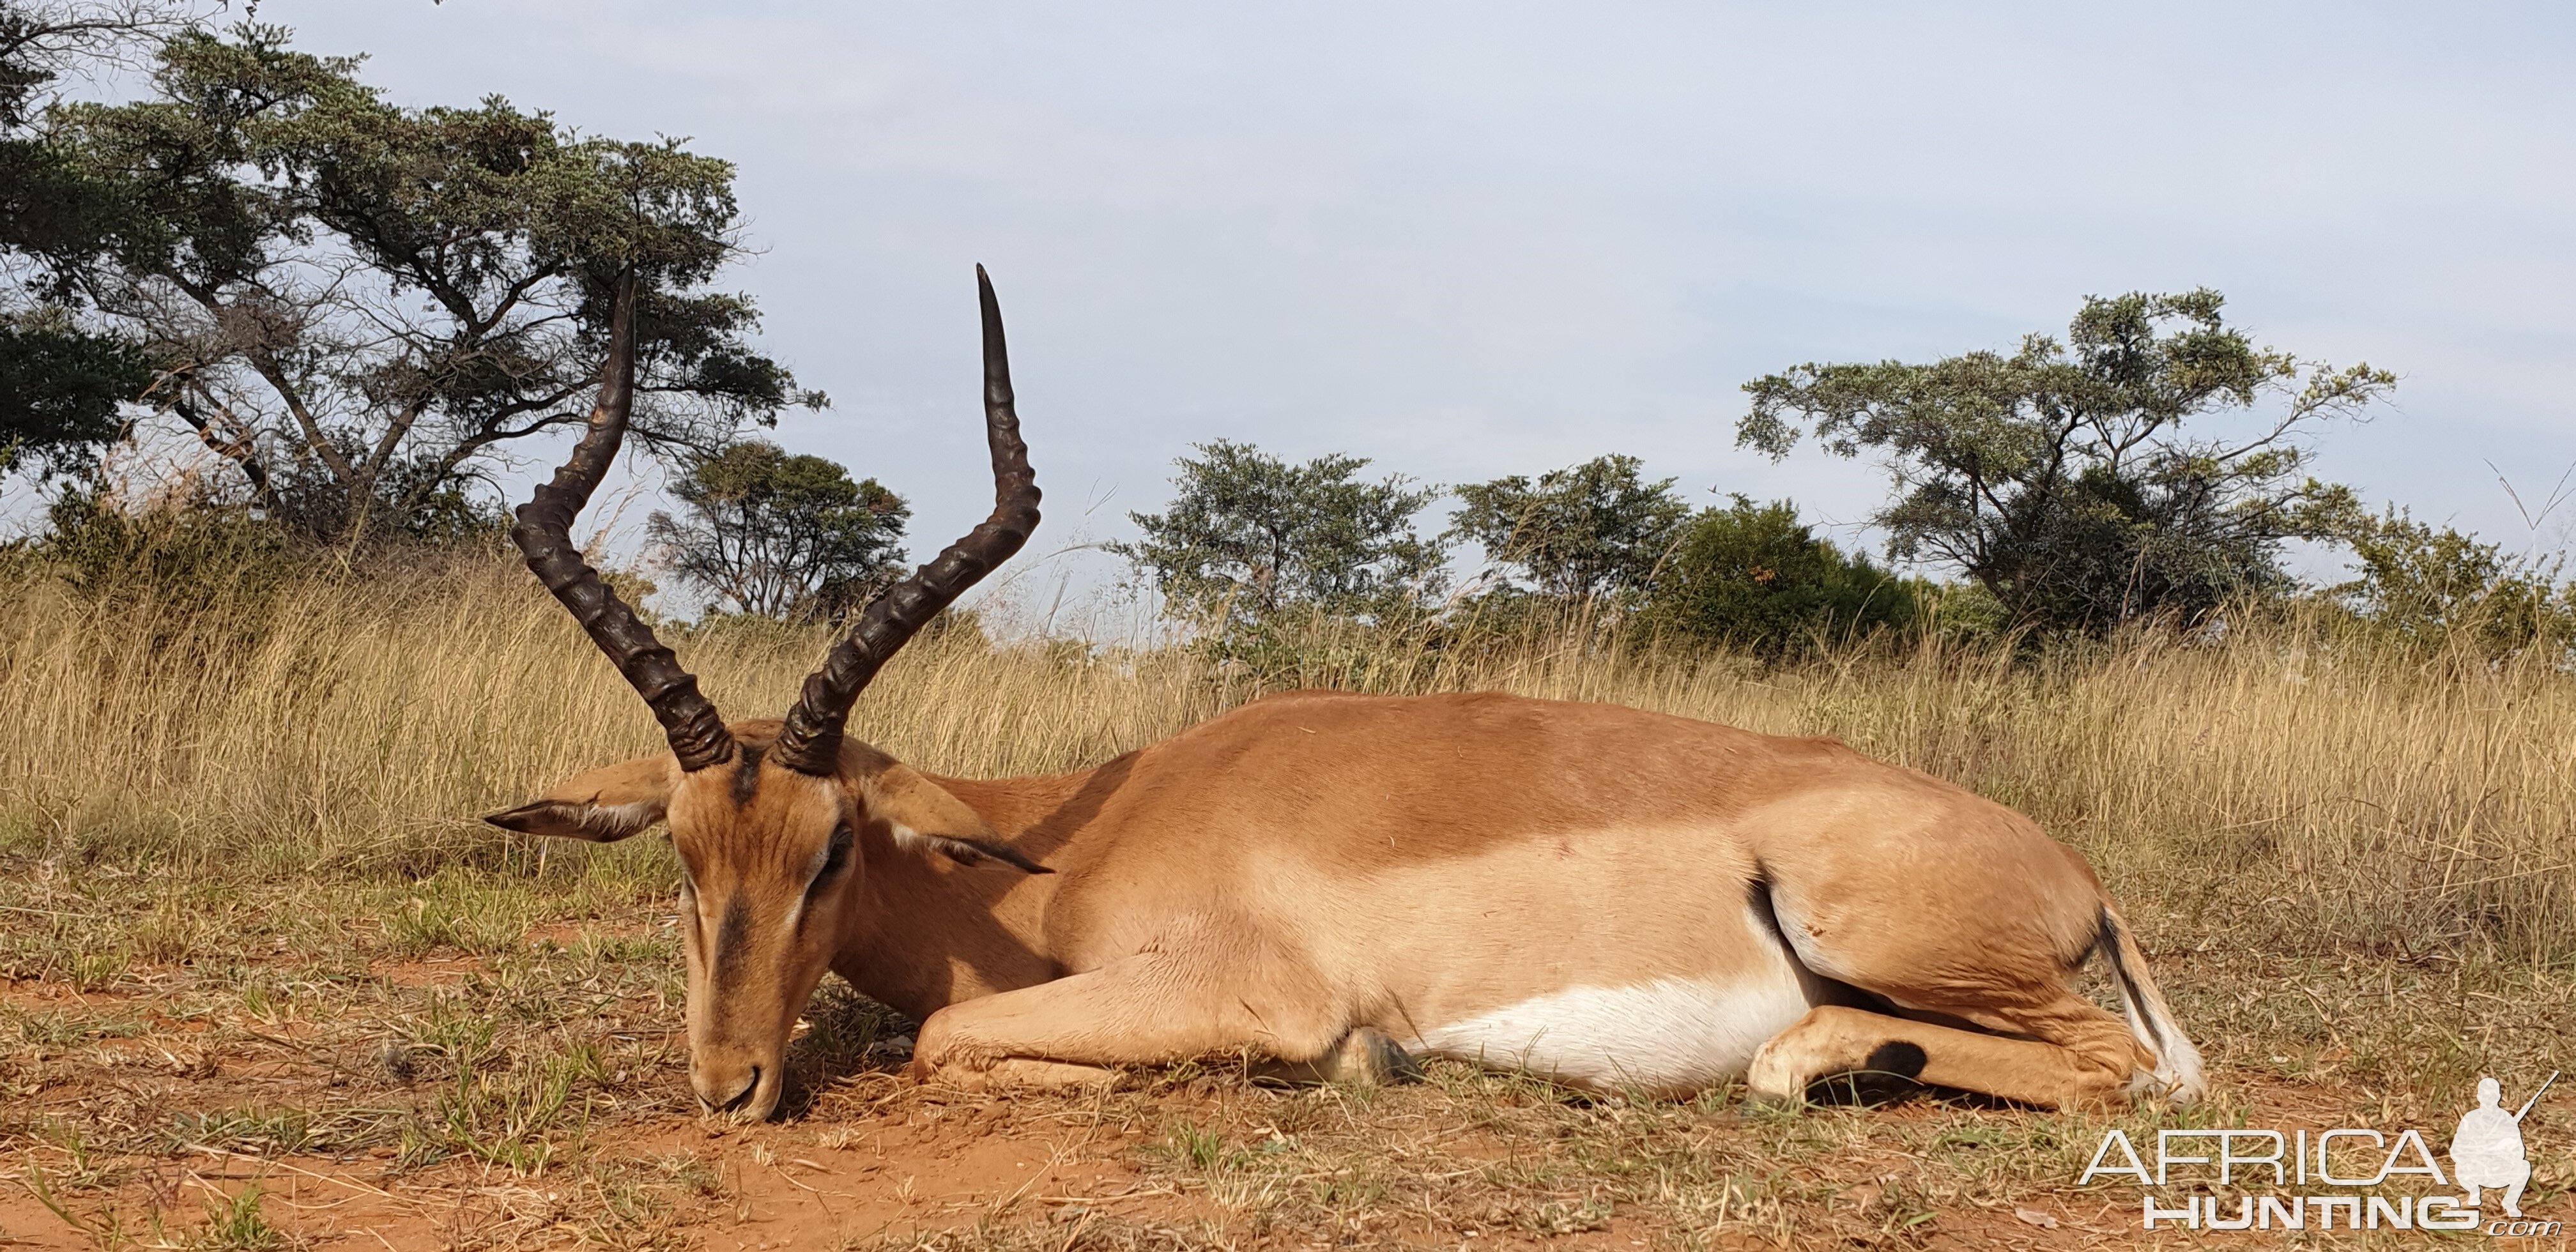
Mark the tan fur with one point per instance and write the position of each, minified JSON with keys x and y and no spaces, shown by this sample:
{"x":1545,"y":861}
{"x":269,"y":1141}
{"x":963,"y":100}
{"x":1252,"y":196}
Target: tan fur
{"x":1314,"y":870}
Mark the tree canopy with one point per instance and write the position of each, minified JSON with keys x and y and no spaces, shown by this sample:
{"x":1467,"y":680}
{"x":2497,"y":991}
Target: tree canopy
{"x":766,"y":531}
{"x":1248,"y":535}
{"x":60,"y":390}
{"x":61,"y":383}
{"x":361,"y":305}
{"x":1592,"y":530}
{"x":2060,"y":477}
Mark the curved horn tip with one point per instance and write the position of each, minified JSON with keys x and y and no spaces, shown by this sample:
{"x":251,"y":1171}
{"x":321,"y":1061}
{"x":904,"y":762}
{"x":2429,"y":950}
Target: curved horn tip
{"x":809,"y":740}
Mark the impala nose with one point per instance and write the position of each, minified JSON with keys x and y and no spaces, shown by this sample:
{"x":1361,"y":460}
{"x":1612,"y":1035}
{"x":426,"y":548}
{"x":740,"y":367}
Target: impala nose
{"x":724,"y":1088}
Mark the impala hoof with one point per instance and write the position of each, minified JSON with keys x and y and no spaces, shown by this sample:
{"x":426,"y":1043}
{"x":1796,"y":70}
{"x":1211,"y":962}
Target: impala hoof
{"x":1363,"y":1058}
{"x":1377,"y":1060}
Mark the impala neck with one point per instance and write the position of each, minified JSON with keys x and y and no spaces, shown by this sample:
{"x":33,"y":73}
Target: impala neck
{"x":929,"y":932}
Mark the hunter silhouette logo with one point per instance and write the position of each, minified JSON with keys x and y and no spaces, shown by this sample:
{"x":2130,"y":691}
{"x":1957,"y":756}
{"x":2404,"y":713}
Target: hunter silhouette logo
{"x":2486,"y":1151}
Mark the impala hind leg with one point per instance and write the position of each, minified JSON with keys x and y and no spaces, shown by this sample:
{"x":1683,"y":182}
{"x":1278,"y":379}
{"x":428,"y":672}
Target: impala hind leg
{"x":1151,"y":1008}
{"x":2081,"y":1056}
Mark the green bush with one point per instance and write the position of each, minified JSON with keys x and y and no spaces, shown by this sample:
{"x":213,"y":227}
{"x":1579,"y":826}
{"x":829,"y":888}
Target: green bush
{"x":187,"y":553}
{"x":1754,"y":578}
{"x":2437,"y":588}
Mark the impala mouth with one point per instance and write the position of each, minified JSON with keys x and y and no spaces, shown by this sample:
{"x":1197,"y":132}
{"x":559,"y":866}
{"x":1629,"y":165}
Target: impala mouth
{"x":743,"y":1096}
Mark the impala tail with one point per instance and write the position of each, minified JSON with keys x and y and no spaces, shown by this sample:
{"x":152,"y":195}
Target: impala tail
{"x":2176,"y":1074}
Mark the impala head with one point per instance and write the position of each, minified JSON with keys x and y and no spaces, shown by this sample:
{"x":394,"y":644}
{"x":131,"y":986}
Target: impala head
{"x":768,"y":816}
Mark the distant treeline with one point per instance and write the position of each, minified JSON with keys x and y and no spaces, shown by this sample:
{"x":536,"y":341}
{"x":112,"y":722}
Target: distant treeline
{"x":360,"y":309}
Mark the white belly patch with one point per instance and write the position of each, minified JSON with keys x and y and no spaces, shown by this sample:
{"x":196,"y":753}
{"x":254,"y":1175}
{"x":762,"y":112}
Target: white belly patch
{"x":1669,"y":1036}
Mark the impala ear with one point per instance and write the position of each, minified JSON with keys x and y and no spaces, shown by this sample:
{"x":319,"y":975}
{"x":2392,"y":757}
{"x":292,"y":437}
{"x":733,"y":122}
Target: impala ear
{"x":603,"y":805}
{"x":926,"y":816}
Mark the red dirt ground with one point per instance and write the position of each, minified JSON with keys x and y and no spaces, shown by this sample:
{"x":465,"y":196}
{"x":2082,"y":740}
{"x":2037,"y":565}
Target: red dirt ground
{"x":874,"y":1159}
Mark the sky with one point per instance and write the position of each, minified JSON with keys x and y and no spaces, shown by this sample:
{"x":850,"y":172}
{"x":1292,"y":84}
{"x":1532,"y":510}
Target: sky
{"x":1473,"y":240}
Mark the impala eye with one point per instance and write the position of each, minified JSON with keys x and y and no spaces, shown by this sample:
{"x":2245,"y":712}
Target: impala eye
{"x":838,"y":854}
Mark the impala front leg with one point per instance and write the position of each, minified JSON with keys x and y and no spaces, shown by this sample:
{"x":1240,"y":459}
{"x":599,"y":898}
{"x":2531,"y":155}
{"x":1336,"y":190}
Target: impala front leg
{"x":1149,"y":1009}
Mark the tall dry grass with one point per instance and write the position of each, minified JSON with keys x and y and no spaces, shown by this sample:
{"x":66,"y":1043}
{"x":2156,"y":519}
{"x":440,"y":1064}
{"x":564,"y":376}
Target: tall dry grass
{"x":2340,"y":795}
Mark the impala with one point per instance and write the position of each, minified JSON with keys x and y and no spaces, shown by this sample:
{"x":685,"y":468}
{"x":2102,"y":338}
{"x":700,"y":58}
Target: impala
{"x":1604,"y":896}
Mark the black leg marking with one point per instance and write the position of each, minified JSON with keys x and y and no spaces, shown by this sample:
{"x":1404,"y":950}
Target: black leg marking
{"x":1896,"y":1056}
{"x":1888,"y":1074}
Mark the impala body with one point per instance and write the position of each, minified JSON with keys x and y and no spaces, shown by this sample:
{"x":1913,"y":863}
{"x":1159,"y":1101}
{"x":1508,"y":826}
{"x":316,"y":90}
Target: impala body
{"x":1604,"y":896}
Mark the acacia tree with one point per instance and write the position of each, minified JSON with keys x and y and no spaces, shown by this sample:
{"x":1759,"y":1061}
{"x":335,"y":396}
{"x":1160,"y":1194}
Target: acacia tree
{"x":361,"y":305}
{"x":779,"y":534}
{"x":2060,"y":477}
{"x":1585,"y":531}
{"x":1248,"y":535}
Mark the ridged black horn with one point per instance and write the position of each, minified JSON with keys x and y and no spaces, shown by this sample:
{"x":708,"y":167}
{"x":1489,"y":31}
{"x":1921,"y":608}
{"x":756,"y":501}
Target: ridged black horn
{"x":544,"y":534}
{"x":810,"y":743}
